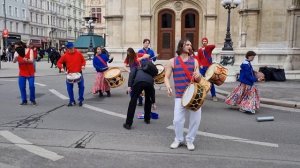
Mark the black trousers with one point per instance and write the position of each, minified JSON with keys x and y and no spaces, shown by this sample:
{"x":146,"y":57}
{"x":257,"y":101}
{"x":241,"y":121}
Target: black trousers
{"x":136,"y":91}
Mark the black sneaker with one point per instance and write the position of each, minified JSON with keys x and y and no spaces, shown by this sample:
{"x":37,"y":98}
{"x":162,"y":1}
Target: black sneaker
{"x":127,"y":126}
{"x":108,"y":93}
{"x":80,"y":103}
{"x":140,"y":104}
{"x":100,"y":94}
{"x":23,"y":103}
{"x":71,"y":104}
{"x":147,"y":121}
{"x":33,"y":103}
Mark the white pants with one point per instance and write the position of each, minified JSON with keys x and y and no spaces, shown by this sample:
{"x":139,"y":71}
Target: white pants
{"x":179,"y":119}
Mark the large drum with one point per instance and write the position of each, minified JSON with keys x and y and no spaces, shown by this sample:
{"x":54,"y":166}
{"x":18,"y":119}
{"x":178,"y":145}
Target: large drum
{"x":193,"y":96}
{"x":159,"y":78}
{"x":216,"y":74}
{"x":114,"y":77}
{"x":73,"y":77}
{"x":206,"y":84}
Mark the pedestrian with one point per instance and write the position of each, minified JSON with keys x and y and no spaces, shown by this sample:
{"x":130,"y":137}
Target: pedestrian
{"x":24,"y":56}
{"x":100,"y":61}
{"x":246,"y":94}
{"x":204,"y":59}
{"x":147,"y":50}
{"x":75,"y":63}
{"x":132,"y":61}
{"x":141,"y":79}
{"x":184,"y":69}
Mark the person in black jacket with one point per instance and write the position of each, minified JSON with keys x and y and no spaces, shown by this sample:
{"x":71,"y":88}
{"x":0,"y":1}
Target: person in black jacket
{"x":138,"y":81}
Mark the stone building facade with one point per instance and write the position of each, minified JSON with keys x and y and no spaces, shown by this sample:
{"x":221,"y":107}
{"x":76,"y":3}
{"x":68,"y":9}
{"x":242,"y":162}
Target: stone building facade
{"x":96,"y":8}
{"x":271,"y":28}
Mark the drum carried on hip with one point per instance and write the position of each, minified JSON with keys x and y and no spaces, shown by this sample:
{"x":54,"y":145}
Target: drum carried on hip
{"x":206,"y":84}
{"x":159,"y":78}
{"x":114,"y":77}
{"x":216,"y":74}
{"x":193,"y":96}
{"x":73,"y":77}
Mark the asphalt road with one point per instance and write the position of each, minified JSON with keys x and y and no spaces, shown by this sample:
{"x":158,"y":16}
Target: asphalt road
{"x":54,"y":135}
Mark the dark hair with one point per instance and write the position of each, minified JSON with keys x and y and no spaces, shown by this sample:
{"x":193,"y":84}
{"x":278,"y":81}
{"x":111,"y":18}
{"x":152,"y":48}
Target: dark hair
{"x":20,"y":43}
{"x":145,"y":40}
{"x":250,"y":53}
{"x":180,"y":45}
{"x":130,"y":58}
{"x":95,"y":50}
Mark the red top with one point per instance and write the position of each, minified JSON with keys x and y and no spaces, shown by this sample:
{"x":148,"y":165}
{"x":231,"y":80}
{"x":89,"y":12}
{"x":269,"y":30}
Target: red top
{"x":202,"y":60}
{"x":74,"y":61}
{"x":26,"y":69}
{"x":35,"y":54}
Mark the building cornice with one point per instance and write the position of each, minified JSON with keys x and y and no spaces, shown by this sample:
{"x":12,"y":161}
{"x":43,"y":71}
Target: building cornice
{"x":146,"y":16}
{"x":213,"y":16}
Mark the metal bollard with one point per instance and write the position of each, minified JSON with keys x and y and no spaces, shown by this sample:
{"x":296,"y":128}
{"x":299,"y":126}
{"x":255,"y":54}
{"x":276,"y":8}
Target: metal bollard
{"x":266,"y":118}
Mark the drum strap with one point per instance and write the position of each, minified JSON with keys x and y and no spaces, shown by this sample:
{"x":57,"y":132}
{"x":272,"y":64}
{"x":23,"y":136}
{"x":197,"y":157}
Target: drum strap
{"x":103,"y":62}
{"x":185,"y":69}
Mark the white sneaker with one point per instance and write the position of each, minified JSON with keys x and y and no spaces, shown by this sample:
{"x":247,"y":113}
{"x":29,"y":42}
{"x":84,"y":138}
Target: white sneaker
{"x":175,"y":145}
{"x":215,"y":99}
{"x":190,"y":146}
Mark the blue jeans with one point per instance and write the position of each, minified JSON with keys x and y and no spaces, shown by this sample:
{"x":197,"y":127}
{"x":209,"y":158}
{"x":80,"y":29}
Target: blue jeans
{"x":80,"y":90}
{"x":22,"y":86}
{"x":212,"y":88}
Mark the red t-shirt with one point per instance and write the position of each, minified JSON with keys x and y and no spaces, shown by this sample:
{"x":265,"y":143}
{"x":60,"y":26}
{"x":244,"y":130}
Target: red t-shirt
{"x":74,"y":61}
{"x":26,"y":69}
{"x":202,"y":60}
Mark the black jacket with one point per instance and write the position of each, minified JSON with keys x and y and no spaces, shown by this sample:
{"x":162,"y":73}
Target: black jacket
{"x":137,"y":75}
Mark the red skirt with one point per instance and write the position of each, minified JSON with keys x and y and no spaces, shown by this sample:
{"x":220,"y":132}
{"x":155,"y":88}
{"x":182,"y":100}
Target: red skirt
{"x":245,"y":96}
{"x":100,"y":83}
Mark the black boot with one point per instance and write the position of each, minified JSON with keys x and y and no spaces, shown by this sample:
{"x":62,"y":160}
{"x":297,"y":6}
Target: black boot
{"x":100,"y":93}
{"x":108,"y":93}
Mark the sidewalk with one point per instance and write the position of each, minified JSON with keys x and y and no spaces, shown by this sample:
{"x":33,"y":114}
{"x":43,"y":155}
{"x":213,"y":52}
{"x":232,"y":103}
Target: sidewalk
{"x":285,"y":94}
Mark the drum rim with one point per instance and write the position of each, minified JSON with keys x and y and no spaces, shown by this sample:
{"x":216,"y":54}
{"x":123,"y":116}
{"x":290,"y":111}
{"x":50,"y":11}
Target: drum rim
{"x":111,"y":69}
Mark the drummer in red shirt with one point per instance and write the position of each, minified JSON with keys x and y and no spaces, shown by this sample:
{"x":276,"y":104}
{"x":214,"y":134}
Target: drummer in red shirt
{"x":75,"y":63}
{"x":205,"y":60}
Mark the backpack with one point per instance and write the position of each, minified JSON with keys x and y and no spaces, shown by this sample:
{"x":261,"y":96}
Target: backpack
{"x":150,"y":68}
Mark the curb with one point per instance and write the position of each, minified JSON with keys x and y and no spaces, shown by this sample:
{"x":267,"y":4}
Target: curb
{"x":290,"y":104}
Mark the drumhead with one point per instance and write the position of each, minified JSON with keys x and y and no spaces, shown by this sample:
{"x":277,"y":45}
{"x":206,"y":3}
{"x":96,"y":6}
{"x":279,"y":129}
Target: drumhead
{"x":73,"y":76}
{"x":188,"y":95}
{"x":112,"y":72}
{"x":210,"y":71}
{"x":160,"y":68}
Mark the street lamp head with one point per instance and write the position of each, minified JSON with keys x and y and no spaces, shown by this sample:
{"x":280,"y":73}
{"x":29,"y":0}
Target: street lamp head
{"x":236,"y":2}
{"x":226,"y":2}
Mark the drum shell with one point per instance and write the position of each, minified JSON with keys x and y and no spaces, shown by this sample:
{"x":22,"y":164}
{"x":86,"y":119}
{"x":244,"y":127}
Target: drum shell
{"x":159,"y":78}
{"x":219,"y":74}
{"x":116,"y":80}
{"x":197,"y":99}
{"x":73,"y":77}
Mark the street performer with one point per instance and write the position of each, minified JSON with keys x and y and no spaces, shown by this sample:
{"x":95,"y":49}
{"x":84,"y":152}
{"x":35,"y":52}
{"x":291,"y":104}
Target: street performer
{"x":185,"y":69}
{"x":205,"y":60}
{"x":75,"y":63}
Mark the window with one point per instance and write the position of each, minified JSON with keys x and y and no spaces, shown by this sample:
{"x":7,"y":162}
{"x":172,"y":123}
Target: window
{"x":31,"y":17}
{"x":23,"y":1}
{"x":16,"y":12}
{"x":37,"y":31}
{"x":9,"y":11}
{"x":31,"y":30}
{"x":23,"y":13}
{"x":48,"y":20}
{"x":10,"y":25}
{"x":48,"y":5}
{"x":30,"y":2}
{"x":166,"y":21}
{"x":42,"y":18}
{"x":42,"y":31}
{"x":36,"y":18}
{"x":17,"y":27}
{"x":24,"y":28}
{"x":190,"y":20}
{"x":96,"y":12}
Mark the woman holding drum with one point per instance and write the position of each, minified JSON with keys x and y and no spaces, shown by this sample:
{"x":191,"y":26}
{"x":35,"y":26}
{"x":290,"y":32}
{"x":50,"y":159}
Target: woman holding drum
{"x":100,"y":61}
{"x":205,"y":60}
{"x":246,"y":95}
{"x":185,"y":69}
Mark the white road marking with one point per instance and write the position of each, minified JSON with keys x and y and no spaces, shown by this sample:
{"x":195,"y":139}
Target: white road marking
{"x":9,"y":80}
{"x":104,"y":111}
{"x":55,"y":92}
{"x":40,"y":84}
{"x":231,"y":138}
{"x":30,"y":147}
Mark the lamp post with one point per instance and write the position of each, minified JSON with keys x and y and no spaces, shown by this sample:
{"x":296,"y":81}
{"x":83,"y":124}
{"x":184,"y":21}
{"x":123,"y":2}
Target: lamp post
{"x":228,"y":57}
{"x":229,"y":4}
{"x":4,"y":38}
{"x":90,"y":25}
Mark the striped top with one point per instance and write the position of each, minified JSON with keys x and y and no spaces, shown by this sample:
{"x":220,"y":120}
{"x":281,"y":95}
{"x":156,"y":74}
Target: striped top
{"x":180,"y":79}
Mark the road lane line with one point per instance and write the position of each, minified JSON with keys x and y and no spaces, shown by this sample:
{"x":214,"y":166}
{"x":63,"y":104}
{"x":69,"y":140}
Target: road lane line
{"x":55,"y":92}
{"x":8,"y":80}
{"x":22,"y":143}
{"x":231,"y":138}
{"x":40,"y":84}
{"x":104,"y":111}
